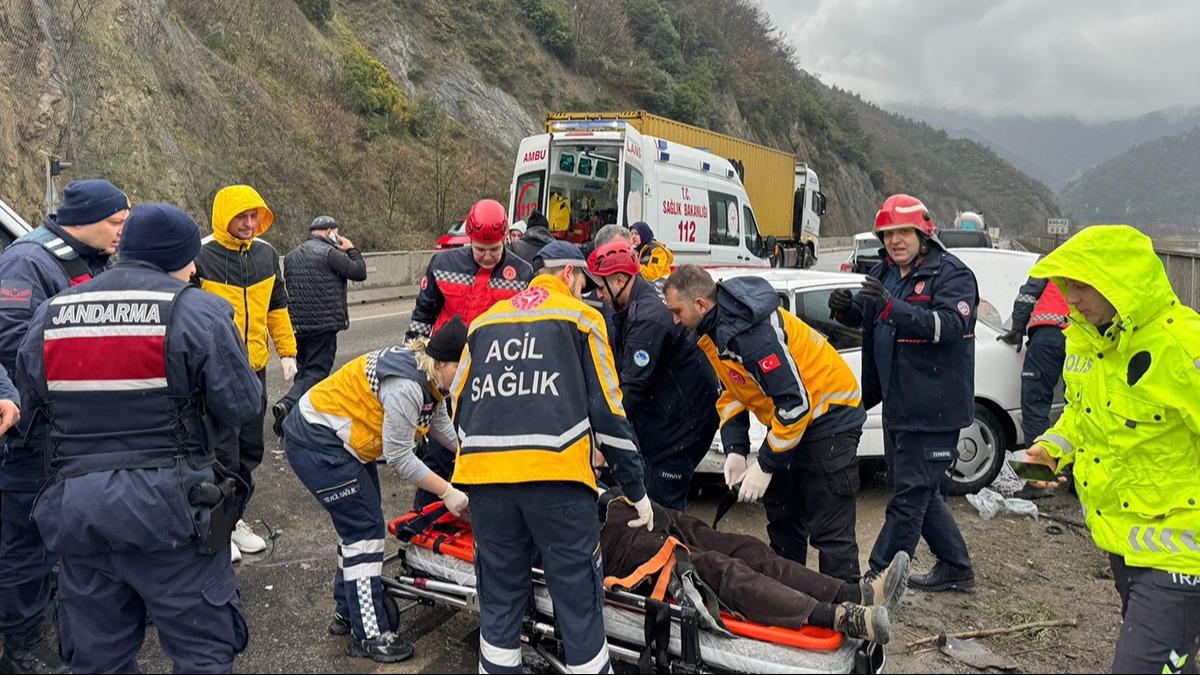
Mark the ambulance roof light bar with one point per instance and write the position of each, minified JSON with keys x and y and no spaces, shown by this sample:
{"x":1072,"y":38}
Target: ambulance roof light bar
{"x":588,"y":125}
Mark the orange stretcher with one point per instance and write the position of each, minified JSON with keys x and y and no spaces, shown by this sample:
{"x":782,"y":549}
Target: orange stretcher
{"x":438,"y":557}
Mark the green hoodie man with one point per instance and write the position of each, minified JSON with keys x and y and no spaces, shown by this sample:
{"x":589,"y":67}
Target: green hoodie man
{"x":1131,"y":428}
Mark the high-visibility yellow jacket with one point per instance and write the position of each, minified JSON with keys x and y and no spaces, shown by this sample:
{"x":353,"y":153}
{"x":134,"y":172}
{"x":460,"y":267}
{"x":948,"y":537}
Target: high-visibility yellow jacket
{"x":656,"y":260}
{"x":1131,"y":425}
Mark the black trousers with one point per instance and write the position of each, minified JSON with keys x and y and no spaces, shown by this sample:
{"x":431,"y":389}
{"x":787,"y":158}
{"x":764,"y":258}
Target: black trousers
{"x":1044,"y":356}
{"x":440,"y":461}
{"x":242,"y":448}
{"x":315,"y":354}
{"x":669,"y":478}
{"x":813,"y":503}
{"x":1161,"y":628}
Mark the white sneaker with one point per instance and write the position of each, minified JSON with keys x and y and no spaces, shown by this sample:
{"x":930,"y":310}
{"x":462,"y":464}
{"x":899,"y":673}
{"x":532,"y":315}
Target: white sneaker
{"x":234,"y":554}
{"x":245,"y":539}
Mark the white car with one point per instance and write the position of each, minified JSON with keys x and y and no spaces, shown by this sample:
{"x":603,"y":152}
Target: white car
{"x":997,"y":425}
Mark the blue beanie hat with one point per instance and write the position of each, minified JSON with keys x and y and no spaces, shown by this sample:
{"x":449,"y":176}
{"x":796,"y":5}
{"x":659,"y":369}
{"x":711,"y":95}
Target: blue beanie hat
{"x":90,"y":201}
{"x":161,"y":235}
{"x":644,"y":231}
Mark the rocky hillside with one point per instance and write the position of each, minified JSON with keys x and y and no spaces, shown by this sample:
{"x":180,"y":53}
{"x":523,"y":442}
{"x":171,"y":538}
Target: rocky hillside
{"x":1154,"y":185}
{"x":394,"y":114}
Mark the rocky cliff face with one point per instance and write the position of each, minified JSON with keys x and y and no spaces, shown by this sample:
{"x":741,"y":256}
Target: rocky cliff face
{"x":393,"y":115}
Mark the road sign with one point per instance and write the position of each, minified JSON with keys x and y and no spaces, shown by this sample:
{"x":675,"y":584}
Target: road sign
{"x":1058,"y":226}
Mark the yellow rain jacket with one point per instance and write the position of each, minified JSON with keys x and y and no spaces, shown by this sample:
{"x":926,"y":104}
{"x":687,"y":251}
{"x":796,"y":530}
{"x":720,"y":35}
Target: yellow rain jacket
{"x":246,"y":273}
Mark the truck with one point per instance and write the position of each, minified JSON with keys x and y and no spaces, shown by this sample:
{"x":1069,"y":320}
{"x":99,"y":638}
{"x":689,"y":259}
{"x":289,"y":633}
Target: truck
{"x":712,"y":199}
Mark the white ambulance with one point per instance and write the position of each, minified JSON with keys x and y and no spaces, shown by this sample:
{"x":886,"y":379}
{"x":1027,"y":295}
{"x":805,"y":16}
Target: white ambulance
{"x":585,"y":174}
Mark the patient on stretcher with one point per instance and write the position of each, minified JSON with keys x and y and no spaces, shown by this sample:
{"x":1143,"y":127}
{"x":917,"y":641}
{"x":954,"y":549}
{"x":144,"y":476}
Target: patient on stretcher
{"x":683,"y":556}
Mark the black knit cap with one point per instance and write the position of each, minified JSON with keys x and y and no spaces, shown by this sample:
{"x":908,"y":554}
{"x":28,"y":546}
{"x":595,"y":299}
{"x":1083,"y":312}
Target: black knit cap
{"x":447,"y":344}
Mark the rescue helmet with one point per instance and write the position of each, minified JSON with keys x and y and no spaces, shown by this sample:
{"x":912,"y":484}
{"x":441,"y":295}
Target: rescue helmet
{"x":901,"y":211}
{"x":487,"y":223}
{"x":614,"y":257}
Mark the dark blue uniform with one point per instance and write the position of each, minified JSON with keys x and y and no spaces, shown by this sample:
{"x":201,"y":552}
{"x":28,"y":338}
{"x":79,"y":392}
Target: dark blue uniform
{"x":34,"y":268}
{"x":125,"y":365}
{"x":919,"y":360}
{"x":669,"y":392}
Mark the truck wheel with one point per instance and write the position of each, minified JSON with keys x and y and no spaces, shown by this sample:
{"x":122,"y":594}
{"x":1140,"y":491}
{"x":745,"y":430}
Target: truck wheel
{"x":981,"y":452}
{"x":804,"y":257}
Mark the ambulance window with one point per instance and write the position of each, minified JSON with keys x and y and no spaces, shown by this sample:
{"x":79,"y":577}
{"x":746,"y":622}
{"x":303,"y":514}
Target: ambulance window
{"x":633,"y":196}
{"x":566,"y":163}
{"x":753,"y":242}
{"x":722,"y":213}
{"x":601,"y":170}
{"x":529,"y":194}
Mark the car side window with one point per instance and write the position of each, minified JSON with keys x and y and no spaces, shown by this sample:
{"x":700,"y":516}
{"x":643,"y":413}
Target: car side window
{"x":813,"y":308}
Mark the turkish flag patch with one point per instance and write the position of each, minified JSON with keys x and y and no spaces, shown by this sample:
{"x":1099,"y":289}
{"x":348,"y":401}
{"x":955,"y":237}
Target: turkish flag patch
{"x":768,"y":363}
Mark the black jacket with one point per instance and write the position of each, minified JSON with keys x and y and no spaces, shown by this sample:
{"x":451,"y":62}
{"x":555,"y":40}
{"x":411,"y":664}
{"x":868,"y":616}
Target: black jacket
{"x":668,"y":388}
{"x":530,"y":244}
{"x":930,"y":330}
{"x":315,"y":273}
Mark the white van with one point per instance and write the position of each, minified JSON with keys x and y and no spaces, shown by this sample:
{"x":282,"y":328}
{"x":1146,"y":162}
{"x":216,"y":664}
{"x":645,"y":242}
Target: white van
{"x":590,"y":173}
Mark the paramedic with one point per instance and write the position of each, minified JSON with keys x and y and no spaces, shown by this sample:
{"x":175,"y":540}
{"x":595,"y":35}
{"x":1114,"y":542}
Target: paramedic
{"x":775,"y":366}
{"x":463,"y":283}
{"x":378,"y":405}
{"x":530,"y":476}
{"x":655,"y":257}
{"x":669,"y":392}
{"x":66,"y":250}
{"x":1039,"y":313}
{"x":917,"y":311}
{"x":1131,"y":429}
{"x":138,"y":506}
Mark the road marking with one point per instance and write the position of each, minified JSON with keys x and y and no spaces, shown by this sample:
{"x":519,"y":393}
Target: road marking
{"x":381,"y":316}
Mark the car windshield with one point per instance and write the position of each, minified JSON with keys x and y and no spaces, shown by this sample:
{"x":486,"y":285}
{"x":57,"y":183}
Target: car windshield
{"x":965,"y":239}
{"x":458,"y":228}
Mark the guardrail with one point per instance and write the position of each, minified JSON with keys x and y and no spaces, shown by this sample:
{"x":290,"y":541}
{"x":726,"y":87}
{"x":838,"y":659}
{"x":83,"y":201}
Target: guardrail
{"x":393,"y":275}
{"x":1183,"y":268}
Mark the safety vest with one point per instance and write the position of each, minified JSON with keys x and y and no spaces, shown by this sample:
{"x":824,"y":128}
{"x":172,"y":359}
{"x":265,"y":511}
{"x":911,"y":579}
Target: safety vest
{"x":108,"y":392}
{"x":74,"y":267}
{"x":656,"y":260}
{"x":347,"y":402}
{"x":1051,"y":309}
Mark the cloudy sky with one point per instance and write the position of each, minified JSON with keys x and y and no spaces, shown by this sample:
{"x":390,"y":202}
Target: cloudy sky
{"x":1096,"y":59}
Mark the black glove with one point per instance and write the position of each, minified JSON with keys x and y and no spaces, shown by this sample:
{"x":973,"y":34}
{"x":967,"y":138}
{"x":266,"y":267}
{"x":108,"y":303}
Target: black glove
{"x":840,"y":301}
{"x":1013,"y":337}
{"x":872,"y":289}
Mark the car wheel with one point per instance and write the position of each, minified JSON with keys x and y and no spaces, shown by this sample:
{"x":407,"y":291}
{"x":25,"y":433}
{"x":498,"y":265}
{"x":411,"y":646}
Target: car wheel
{"x":981,"y":452}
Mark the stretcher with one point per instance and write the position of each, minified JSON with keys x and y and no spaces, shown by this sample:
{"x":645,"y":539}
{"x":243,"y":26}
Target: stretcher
{"x":436,"y":568}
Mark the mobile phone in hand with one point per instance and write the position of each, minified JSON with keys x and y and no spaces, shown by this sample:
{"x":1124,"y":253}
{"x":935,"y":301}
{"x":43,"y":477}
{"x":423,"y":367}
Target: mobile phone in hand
{"x":1033,"y":471}
{"x":335,"y":239}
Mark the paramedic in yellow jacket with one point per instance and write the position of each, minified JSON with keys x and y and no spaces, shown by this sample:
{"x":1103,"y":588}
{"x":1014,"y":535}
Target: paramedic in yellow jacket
{"x":380,"y":405}
{"x":654,"y":256}
{"x":775,"y":366}
{"x":536,"y":394}
{"x":1131,"y":429}
{"x":236,"y":265}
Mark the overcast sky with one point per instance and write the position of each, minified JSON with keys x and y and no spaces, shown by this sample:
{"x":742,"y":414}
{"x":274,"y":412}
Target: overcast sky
{"x":1096,"y":59}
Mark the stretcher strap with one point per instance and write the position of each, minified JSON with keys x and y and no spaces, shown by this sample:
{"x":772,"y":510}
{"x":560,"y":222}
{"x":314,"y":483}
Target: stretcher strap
{"x":420,"y":523}
{"x":661,"y":563}
{"x":655,"y":657}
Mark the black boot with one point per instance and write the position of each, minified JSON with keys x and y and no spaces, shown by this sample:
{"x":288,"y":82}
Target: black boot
{"x":340,"y":625}
{"x":31,"y":652}
{"x":387,"y":648}
{"x":944,"y":577}
{"x":280,"y":410}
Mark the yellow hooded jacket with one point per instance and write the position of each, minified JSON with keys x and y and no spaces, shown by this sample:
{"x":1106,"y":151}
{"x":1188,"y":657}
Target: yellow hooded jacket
{"x":247,"y":275}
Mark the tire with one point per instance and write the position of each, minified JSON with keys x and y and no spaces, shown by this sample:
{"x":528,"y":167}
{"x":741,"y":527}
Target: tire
{"x":982,"y":447}
{"x":804,"y":257}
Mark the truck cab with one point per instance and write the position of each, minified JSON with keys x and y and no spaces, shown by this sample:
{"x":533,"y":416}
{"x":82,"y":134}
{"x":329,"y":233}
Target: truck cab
{"x":585,"y":174}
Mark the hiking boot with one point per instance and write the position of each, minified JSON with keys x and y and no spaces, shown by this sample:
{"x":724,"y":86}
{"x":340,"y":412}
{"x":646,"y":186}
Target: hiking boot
{"x":886,"y":587}
{"x":944,"y":577}
{"x":387,"y":648}
{"x":280,"y":410}
{"x":340,"y":625}
{"x":30,"y":652}
{"x":864,"y":623}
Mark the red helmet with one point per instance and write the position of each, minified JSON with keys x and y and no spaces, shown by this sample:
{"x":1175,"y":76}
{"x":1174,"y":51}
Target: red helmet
{"x":487,"y":223}
{"x":613,"y":257}
{"x":900,"y":211}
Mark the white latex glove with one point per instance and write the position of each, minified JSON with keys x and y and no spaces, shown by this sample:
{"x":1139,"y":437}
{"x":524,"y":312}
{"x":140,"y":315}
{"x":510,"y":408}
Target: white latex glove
{"x":9,"y":415}
{"x":289,"y":367}
{"x":455,"y":500}
{"x":645,"y":514}
{"x":735,"y":468}
{"x":754,"y":484}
